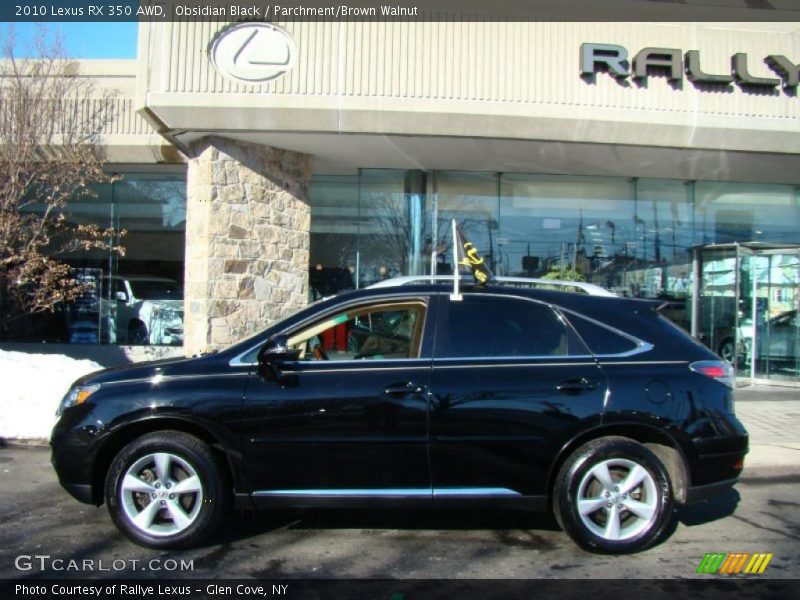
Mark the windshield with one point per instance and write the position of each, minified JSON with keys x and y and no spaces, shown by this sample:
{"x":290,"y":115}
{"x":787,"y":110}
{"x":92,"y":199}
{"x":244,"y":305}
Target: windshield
{"x":157,"y":290}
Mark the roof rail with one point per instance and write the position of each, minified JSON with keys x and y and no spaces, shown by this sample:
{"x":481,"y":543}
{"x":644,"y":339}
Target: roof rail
{"x":581,"y":286}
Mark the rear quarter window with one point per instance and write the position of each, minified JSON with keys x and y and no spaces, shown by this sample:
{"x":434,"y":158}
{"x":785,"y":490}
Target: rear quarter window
{"x":601,"y":339}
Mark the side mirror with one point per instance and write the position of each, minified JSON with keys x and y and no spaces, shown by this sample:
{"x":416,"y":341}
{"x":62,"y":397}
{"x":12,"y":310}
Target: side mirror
{"x":122,"y":296}
{"x":273,"y":353}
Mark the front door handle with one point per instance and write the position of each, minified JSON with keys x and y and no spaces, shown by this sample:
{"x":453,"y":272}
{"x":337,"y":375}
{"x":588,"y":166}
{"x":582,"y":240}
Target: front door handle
{"x":403,"y":389}
{"x":576,"y":386}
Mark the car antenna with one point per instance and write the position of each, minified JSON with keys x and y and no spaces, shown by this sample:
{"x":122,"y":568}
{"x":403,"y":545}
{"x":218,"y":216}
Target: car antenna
{"x":456,"y":295}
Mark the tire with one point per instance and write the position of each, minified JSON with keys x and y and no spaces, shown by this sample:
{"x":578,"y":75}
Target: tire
{"x":727,"y":350}
{"x":189,"y":488}
{"x":137,"y":333}
{"x":593,"y":479}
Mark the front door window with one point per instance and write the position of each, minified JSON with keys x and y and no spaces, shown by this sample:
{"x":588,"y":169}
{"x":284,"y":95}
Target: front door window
{"x":374,"y":332}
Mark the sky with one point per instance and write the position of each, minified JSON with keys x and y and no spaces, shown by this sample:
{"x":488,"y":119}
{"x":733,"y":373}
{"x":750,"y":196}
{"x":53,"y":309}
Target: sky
{"x":83,"y":40}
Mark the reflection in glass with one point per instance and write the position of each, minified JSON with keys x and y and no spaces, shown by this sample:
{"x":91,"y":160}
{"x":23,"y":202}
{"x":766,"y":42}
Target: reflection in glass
{"x":634,"y":236}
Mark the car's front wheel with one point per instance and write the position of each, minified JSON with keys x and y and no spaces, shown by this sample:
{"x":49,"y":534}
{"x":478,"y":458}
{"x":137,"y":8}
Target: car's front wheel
{"x":613,"y":495}
{"x":727,"y":350}
{"x":165,"y":490}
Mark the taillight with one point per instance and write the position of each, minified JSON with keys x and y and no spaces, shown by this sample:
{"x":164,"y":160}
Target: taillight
{"x":715,"y":369}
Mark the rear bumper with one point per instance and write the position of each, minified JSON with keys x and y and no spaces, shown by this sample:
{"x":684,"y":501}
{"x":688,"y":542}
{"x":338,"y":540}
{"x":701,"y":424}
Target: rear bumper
{"x":704,"y":492}
{"x":719,"y":451}
{"x":719,"y":466}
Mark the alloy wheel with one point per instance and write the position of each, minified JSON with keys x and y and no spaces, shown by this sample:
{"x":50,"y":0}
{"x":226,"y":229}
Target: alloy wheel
{"x":617,"y":499}
{"x":161,"y":494}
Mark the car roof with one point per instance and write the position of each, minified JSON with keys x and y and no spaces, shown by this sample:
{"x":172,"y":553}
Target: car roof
{"x":570,"y":300}
{"x":141,"y":278}
{"x":532,"y":282}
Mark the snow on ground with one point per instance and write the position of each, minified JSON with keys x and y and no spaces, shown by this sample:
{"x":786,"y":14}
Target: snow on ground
{"x":31,"y":387}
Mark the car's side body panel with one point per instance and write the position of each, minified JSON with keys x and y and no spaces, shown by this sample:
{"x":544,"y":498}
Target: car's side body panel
{"x":499,"y":424}
{"x":485,"y":408}
{"x":327,"y":426}
{"x":203,"y":396}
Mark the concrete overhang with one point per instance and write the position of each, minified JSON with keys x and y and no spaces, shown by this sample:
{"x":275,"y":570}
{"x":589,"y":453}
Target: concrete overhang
{"x":376,"y":96}
{"x":346,"y":153}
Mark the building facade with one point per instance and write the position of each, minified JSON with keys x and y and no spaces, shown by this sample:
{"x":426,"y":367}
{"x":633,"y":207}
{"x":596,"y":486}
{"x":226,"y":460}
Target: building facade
{"x":267,"y":164}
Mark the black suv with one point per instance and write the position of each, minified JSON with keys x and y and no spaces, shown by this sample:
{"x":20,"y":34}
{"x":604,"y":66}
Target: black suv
{"x":596,"y":407}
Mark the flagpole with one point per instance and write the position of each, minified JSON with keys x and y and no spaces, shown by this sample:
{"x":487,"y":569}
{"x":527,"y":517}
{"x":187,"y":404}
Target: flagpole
{"x":456,"y":295}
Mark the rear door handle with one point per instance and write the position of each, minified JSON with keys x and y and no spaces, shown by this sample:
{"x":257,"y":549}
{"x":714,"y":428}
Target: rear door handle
{"x":576,"y":386}
{"x":403,"y":389}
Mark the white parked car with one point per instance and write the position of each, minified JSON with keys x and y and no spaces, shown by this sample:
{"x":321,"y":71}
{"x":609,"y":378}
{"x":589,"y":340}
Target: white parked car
{"x":149,"y":310}
{"x":778,"y":341}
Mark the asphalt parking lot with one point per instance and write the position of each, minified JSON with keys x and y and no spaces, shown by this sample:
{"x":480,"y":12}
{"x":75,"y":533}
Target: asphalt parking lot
{"x":37,"y":518}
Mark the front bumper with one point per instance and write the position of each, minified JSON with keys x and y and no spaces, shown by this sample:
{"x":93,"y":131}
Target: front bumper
{"x":80,"y":491}
{"x":72,"y":474}
{"x":73,"y":451}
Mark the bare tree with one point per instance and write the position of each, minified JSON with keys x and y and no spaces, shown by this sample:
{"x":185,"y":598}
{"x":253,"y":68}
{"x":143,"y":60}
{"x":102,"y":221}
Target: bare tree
{"x":391,"y":230}
{"x":51,"y":119}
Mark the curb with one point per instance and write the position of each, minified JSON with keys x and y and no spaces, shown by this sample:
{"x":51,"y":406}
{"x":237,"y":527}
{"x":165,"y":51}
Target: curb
{"x":24,"y":442}
{"x":770,"y":474}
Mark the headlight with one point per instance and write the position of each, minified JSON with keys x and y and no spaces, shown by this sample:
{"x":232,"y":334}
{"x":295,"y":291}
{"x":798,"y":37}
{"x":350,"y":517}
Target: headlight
{"x":76,"y":396}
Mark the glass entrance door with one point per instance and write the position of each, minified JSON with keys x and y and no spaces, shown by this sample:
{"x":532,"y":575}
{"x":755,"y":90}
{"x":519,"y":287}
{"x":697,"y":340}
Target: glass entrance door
{"x":769,"y":343}
{"x":745,"y":308}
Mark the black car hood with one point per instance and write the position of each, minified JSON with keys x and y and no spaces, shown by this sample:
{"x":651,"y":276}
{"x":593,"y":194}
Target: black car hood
{"x":145,"y":370}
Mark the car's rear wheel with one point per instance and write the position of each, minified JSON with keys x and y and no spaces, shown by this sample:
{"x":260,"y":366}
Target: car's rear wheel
{"x":165,"y":490}
{"x":613,"y":495}
{"x":137,"y":333}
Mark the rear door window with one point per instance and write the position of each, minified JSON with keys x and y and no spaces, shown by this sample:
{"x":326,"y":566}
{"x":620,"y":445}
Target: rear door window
{"x":496,"y":326}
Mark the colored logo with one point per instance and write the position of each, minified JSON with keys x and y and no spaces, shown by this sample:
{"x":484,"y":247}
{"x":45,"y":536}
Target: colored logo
{"x":252,"y":52}
{"x":722,"y":563}
{"x":467,"y":255}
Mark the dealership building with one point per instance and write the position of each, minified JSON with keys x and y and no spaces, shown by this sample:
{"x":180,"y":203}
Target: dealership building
{"x":266,"y":164}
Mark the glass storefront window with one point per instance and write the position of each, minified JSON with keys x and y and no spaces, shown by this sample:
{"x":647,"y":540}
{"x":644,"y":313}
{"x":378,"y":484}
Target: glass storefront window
{"x":663,"y":222}
{"x":631,"y":235}
{"x":135,"y":298}
{"x":145,"y":292}
{"x":472,"y":199}
{"x":77,"y":322}
{"x":744,"y":212}
{"x":392,"y":210}
{"x":634,"y":236}
{"x":567,"y":226}
{"x":334,"y":235}
{"x":637,"y":237}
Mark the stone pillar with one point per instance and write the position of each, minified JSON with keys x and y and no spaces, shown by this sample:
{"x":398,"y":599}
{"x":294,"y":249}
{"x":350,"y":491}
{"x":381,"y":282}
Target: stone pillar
{"x":247,"y":237}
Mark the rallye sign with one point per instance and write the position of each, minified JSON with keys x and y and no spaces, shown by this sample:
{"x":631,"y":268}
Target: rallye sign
{"x":673,"y":63}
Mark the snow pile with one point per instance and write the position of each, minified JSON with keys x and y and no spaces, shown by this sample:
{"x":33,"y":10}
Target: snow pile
{"x":32,"y":386}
